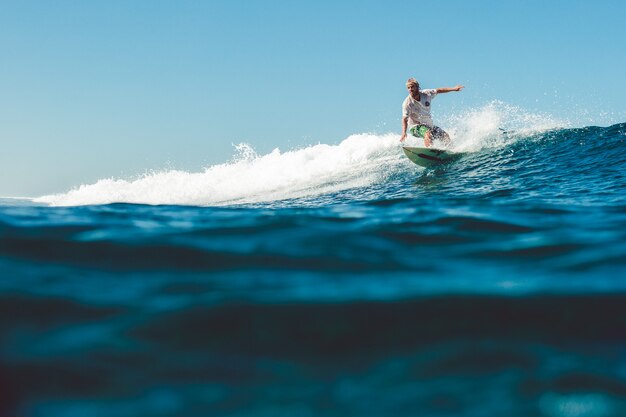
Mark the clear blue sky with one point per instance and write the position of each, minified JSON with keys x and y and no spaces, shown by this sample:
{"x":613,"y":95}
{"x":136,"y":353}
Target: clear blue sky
{"x":97,"y":89}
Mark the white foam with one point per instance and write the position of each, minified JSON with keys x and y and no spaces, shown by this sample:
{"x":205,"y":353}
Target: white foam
{"x":358,"y":161}
{"x":495,"y":125}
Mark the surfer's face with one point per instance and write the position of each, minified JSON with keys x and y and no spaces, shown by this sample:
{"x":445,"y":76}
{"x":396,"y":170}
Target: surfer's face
{"x":414,"y":90}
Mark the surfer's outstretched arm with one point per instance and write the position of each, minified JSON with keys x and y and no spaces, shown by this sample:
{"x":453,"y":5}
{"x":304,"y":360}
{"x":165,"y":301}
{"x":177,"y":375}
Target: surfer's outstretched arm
{"x":449,"y":89}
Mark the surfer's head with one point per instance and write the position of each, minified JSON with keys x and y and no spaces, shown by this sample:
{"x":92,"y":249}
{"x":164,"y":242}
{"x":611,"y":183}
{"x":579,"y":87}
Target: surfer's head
{"x":413,"y":86}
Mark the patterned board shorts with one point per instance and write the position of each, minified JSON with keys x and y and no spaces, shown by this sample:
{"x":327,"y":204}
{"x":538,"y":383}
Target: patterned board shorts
{"x":420,"y":131}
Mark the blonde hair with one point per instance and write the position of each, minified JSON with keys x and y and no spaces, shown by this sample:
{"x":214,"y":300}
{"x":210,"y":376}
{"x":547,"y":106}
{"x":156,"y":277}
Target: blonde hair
{"x":412,"y":81}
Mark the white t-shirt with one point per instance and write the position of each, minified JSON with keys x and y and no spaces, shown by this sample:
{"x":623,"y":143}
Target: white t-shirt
{"x":418,"y":112}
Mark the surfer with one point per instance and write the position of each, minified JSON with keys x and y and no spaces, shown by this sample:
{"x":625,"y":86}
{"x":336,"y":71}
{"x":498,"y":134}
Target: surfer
{"x":416,"y":118}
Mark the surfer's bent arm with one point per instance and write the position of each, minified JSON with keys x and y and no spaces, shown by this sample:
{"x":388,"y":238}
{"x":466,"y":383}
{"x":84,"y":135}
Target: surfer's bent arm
{"x":405,"y":122}
{"x":449,"y":89}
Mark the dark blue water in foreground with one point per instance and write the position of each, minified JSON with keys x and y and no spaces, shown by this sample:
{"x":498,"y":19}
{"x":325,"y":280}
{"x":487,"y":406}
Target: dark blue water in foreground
{"x":495,"y":286}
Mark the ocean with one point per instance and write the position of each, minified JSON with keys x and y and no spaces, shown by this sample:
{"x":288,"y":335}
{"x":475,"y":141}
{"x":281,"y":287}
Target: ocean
{"x":329,"y":280}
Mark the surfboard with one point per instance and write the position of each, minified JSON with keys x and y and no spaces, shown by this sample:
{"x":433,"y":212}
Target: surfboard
{"x":428,"y":157}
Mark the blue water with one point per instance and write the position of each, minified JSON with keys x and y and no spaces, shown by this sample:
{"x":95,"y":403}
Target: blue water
{"x":352,"y":284}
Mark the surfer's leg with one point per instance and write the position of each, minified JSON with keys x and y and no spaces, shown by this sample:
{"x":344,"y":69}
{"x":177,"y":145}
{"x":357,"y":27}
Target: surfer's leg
{"x":428,"y":139}
{"x":442,"y":135}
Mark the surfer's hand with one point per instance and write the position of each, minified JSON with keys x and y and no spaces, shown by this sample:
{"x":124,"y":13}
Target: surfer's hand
{"x":459,"y":87}
{"x":403,"y":137}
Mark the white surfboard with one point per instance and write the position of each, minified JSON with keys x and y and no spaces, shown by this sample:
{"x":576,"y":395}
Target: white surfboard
{"x":428,"y":157}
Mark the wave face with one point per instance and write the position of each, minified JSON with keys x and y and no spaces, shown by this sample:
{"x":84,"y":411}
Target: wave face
{"x":330,"y":280}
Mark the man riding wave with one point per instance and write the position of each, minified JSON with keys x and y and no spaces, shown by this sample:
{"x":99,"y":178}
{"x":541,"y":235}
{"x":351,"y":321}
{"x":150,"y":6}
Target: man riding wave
{"x":416,"y":118}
